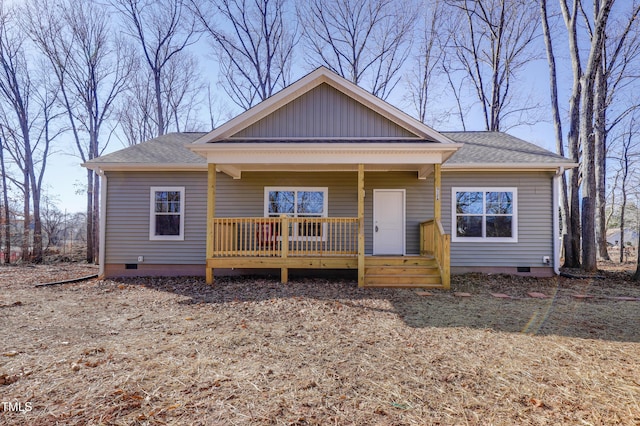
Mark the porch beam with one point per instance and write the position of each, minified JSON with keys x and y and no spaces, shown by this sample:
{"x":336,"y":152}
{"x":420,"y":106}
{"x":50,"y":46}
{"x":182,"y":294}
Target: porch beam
{"x":360,"y":225}
{"x":425,"y":171}
{"x":231,"y":171}
{"x":211,"y":211}
{"x":437,"y":192}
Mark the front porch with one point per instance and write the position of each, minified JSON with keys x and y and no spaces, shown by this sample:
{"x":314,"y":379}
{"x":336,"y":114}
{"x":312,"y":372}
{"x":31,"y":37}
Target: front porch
{"x":287,"y":242}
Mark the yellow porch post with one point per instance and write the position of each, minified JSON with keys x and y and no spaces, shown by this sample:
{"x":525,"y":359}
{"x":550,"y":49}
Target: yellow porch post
{"x":284,"y":234}
{"x":211,"y":211}
{"x":360,"y":225}
{"x":437,"y":193}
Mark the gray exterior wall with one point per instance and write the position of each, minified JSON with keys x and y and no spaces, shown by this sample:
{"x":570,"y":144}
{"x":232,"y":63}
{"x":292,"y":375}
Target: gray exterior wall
{"x":324,"y":112}
{"x":245,"y":197}
{"x":127,"y":219}
{"x":535,"y":220}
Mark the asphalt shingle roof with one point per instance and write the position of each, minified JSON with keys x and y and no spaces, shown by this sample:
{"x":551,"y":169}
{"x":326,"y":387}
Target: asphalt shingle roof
{"x":484,"y":148}
{"x":498,"y":148}
{"x":166,"y":149}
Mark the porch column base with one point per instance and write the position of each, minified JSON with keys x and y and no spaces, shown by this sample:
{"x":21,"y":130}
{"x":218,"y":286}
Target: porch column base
{"x":209,"y":275}
{"x":284,"y":275}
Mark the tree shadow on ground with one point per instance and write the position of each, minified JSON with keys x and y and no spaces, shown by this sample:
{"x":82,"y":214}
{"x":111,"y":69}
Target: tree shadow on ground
{"x":600,"y":317}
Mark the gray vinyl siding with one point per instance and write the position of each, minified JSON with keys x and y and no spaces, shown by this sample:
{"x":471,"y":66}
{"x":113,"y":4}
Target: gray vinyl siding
{"x":324,"y":112}
{"x":535,"y":220}
{"x":128,"y":217}
{"x":245,"y":197}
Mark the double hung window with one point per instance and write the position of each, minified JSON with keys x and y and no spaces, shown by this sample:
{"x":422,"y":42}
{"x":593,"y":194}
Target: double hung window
{"x":484,"y":214}
{"x":298,"y":203}
{"x":167,"y":213}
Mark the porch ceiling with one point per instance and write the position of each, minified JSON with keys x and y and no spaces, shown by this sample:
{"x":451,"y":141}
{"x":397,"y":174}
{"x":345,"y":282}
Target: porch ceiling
{"x":236,"y":170}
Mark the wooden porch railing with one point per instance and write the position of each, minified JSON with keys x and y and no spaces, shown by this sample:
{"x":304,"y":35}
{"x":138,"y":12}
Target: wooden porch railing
{"x":285,"y":236}
{"x":434,"y":240}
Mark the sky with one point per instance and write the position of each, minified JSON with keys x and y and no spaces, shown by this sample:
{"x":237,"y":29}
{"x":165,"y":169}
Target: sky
{"x":65,"y":178}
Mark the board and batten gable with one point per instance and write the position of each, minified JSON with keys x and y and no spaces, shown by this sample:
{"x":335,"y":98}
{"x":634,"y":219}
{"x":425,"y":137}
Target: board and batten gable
{"x":535,"y":221}
{"x":128,"y":221}
{"x":324,"y":112}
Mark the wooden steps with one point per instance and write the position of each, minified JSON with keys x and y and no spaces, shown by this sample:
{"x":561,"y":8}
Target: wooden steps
{"x":402,"y":271}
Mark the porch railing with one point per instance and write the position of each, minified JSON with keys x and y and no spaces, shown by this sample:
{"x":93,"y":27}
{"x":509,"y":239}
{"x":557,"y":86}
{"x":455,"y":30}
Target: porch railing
{"x":433,"y":240}
{"x":285,"y":236}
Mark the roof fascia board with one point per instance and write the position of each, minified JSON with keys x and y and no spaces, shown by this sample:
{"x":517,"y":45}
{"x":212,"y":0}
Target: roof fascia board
{"x":305,"y":84}
{"x":506,"y":167}
{"x":137,"y":167}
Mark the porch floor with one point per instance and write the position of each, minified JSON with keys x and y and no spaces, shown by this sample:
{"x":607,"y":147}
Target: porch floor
{"x":380,"y":271}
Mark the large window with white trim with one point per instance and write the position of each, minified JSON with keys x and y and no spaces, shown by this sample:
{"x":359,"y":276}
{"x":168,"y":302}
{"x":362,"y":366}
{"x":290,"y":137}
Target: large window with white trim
{"x":299,"y":202}
{"x":484,"y":214}
{"x":167,"y":213}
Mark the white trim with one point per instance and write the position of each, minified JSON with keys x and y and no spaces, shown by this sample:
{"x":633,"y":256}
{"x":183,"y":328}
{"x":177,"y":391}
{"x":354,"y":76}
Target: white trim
{"x":325,"y":153}
{"x":556,"y":220}
{"x":139,"y":167}
{"x":520,"y":167}
{"x":293,"y":236}
{"x":102,"y":249}
{"x":305,"y":84}
{"x":404,"y":219}
{"x":484,"y":190}
{"x":152,"y":213}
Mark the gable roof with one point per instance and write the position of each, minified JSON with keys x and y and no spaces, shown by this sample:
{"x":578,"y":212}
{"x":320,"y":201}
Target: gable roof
{"x":488,"y":150}
{"x":312,"y":80}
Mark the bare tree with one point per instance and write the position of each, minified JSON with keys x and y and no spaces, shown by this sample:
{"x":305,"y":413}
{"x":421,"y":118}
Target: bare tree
{"x":92,"y":68}
{"x":5,"y":237}
{"x":26,"y":122}
{"x":364,"y":41}
{"x":163,"y":29}
{"x":182,"y":90}
{"x":602,"y":9}
{"x":425,"y":73}
{"x":557,"y":123}
{"x":254,"y":44}
{"x":617,"y":74}
{"x":491,"y":42}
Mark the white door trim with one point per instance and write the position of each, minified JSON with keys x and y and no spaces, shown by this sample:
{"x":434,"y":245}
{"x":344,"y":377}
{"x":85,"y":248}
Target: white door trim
{"x":404,"y":221}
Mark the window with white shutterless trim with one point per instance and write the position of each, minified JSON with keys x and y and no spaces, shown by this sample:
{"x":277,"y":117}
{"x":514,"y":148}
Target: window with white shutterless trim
{"x":298,"y":202}
{"x":166,"y":213}
{"x":484,"y":214}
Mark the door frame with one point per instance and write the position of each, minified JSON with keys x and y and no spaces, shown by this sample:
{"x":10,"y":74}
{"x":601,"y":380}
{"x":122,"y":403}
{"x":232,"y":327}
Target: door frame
{"x":404,"y":220}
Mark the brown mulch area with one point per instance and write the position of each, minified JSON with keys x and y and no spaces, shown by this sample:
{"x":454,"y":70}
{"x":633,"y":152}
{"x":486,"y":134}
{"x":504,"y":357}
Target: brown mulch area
{"x":315,"y":351}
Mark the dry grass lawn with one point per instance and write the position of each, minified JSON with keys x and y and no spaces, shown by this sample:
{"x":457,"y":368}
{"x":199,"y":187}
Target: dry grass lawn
{"x":253,"y":351}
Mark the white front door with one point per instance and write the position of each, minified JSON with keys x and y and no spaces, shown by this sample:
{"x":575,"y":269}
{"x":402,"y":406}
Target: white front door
{"x":388,"y":221}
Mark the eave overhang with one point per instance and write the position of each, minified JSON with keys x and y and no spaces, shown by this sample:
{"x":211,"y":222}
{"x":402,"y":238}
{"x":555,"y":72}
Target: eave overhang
{"x":475,"y":167}
{"x":144,"y":167}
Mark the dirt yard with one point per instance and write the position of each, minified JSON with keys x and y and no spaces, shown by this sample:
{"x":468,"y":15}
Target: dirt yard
{"x":253,"y":351}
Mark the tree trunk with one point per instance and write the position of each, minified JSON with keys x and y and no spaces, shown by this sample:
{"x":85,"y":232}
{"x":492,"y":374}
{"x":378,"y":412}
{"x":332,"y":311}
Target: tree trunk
{"x":37,"y":255}
{"x":601,"y":15}
{"x":557,"y":123}
{"x":636,"y":275}
{"x":7,"y":211}
{"x":623,"y":207}
{"x":601,"y":165}
{"x":159,"y":112}
{"x":27,"y":219}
